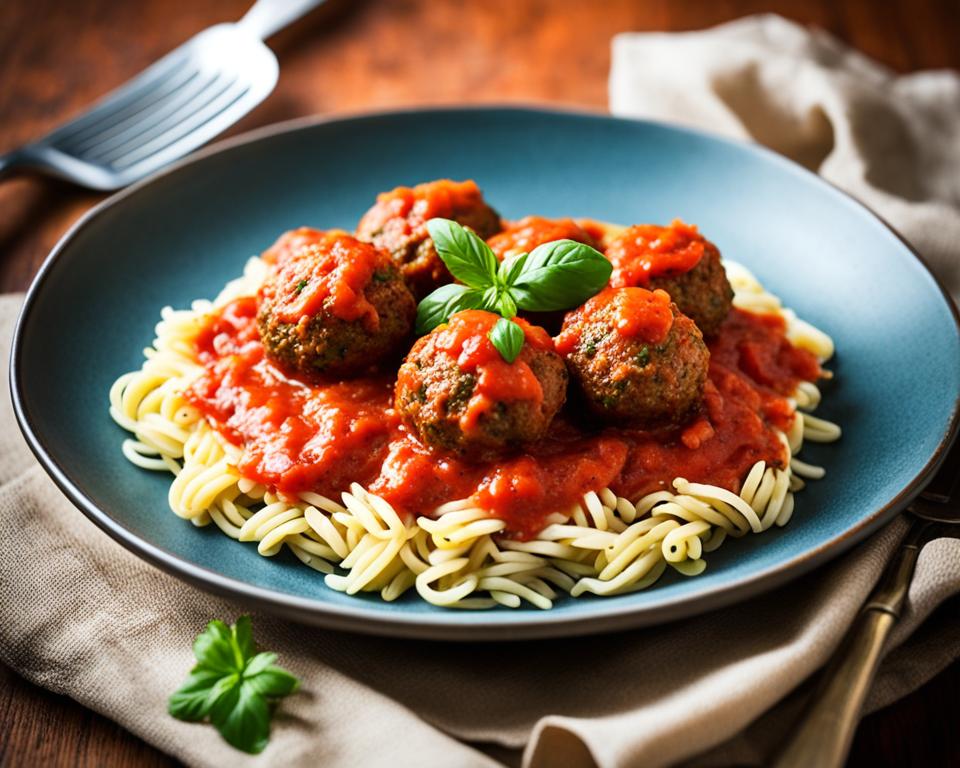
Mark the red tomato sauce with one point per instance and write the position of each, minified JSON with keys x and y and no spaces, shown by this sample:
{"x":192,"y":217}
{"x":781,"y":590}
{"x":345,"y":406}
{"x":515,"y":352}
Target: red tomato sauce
{"x":290,"y":243}
{"x":531,"y":231}
{"x":299,"y":436}
{"x":405,"y":211}
{"x":637,"y":313}
{"x":322,"y":271}
{"x":466,"y":339}
{"x":646,"y":251}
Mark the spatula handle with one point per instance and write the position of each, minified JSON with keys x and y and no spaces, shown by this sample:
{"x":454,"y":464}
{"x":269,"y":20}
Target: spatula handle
{"x":11,"y":164}
{"x":824,"y":736}
{"x":267,"y":17}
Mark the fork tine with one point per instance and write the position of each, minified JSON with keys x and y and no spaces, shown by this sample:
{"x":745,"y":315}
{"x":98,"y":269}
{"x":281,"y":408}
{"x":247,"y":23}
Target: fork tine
{"x":104,"y":145}
{"x":194,"y":129}
{"x":123,"y":97}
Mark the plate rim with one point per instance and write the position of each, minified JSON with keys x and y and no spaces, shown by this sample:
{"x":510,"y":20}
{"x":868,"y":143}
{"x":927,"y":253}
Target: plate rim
{"x":443,"y":626}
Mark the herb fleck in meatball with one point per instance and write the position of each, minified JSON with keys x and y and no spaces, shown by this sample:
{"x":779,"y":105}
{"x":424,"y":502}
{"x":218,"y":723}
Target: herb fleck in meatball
{"x":638,"y":360}
{"x":331,"y":304}
{"x":531,"y":231}
{"x":456,"y":393}
{"x":397,"y":222}
{"x":679,"y":260}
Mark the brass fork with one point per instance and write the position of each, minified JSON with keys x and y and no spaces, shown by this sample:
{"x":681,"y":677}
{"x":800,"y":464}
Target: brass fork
{"x":824,"y":735}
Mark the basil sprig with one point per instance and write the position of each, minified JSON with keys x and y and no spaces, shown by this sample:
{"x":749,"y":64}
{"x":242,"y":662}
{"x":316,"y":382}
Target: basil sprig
{"x":232,"y":685}
{"x":557,"y":275}
{"x":508,"y":338}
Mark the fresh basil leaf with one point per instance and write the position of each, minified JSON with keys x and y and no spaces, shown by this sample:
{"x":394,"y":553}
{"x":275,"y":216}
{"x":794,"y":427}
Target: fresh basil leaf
{"x":222,"y":688}
{"x":510,"y":268}
{"x":447,"y":300}
{"x":229,"y":685}
{"x":506,"y":306}
{"x":243,"y":718}
{"x":214,"y":648}
{"x":491,"y":297}
{"x":468,"y":258}
{"x":191,"y":701}
{"x":560,"y":275}
{"x":508,"y":338}
{"x":274,"y":681}
{"x":259,"y":663}
{"x":243,"y":636}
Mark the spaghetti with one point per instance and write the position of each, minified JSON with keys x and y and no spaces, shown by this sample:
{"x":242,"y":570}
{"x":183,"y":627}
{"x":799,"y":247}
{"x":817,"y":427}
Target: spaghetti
{"x":455,"y":555}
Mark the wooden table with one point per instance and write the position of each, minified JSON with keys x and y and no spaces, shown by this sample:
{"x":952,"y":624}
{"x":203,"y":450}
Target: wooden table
{"x":56,"y":57}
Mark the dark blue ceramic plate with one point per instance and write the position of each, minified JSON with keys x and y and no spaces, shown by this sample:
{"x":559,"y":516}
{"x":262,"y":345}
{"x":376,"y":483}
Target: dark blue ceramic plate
{"x":185,"y":233}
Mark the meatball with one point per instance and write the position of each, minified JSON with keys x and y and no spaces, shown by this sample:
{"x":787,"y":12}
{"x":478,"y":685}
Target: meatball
{"x":679,"y":260}
{"x":331,"y":304}
{"x":290,"y":244}
{"x":456,"y":393}
{"x":638,"y":360}
{"x":528,"y":233}
{"x":397,"y":222}
{"x":531,"y":231}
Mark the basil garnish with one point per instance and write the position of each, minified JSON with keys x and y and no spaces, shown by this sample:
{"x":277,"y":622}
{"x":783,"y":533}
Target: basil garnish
{"x":447,"y":300}
{"x":468,"y":258}
{"x":508,"y":338}
{"x":558,"y":275}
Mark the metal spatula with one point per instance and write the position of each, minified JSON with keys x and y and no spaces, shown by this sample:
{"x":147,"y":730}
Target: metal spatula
{"x":181,"y":102}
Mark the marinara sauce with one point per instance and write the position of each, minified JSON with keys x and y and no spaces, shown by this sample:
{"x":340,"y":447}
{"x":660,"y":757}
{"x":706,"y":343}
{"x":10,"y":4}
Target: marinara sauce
{"x":314,"y":436}
{"x":645,"y":251}
{"x":533,"y":231}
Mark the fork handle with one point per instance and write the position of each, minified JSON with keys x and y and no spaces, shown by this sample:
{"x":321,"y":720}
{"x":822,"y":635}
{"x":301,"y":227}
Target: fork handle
{"x":824,"y":736}
{"x":267,"y":17}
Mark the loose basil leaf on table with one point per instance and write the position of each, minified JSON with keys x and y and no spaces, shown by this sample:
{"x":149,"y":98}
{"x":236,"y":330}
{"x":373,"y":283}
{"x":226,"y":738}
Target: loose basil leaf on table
{"x":232,"y":685}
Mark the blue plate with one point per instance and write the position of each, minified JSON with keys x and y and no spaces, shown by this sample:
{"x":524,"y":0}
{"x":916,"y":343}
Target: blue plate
{"x":183,"y":234}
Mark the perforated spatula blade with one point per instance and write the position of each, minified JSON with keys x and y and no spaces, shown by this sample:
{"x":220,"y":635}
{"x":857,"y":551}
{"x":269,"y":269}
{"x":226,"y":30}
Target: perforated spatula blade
{"x":174,"y":106}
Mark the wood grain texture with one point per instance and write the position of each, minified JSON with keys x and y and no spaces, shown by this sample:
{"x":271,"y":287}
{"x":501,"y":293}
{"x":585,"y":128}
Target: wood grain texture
{"x":352,"y":55}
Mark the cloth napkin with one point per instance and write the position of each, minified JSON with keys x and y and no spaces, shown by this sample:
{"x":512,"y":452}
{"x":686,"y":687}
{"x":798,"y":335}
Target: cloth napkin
{"x":83,"y":617}
{"x":893,"y":142}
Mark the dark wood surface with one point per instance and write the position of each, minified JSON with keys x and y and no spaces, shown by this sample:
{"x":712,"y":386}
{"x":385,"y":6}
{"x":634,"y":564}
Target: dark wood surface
{"x":351,"y":55}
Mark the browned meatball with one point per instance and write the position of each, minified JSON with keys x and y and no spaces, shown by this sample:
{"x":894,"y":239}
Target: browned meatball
{"x":638,"y":360}
{"x":397,"y":222}
{"x":456,"y":393}
{"x":678,"y":260}
{"x":331,"y":304}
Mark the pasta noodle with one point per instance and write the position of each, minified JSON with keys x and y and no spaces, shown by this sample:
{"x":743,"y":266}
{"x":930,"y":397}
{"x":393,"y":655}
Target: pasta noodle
{"x":605,"y":545}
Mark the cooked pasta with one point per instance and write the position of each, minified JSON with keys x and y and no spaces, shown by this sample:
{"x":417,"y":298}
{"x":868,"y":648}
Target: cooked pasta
{"x":452,"y":556}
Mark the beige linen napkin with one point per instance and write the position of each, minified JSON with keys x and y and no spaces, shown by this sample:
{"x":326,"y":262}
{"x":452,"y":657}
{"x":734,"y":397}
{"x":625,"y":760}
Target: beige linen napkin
{"x":893,"y":142}
{"x":81,"y":616}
